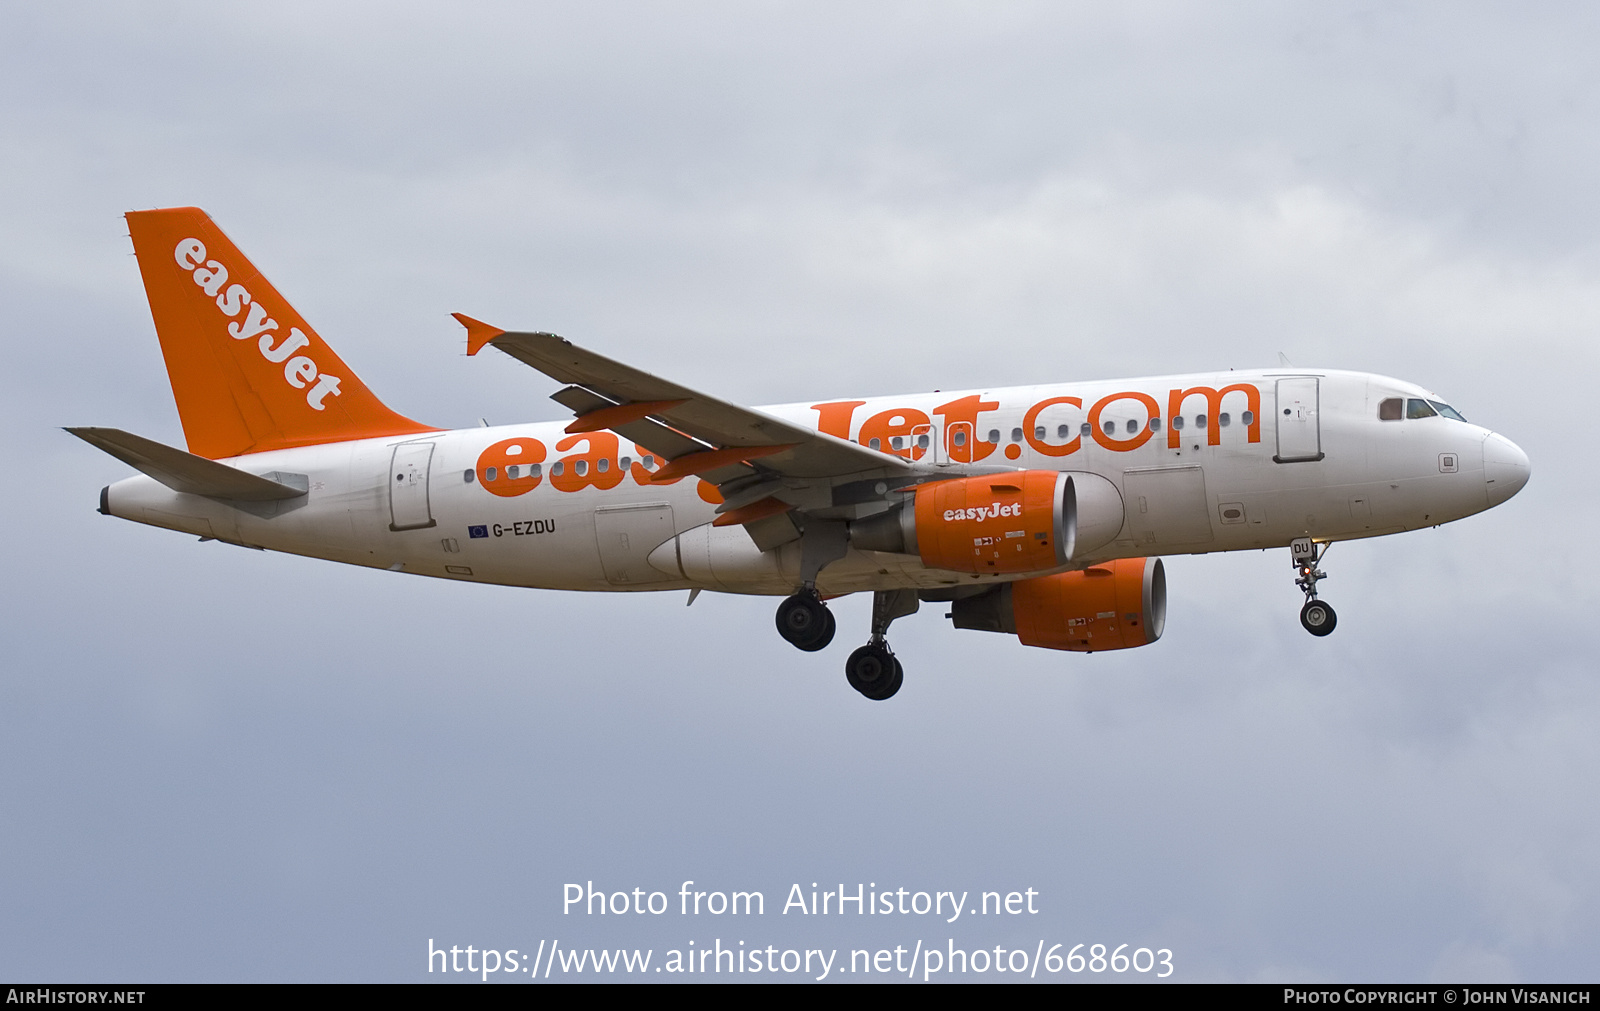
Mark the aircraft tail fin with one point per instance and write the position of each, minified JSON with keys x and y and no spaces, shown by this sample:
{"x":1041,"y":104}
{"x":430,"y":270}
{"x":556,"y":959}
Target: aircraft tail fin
{"x":249,"y":374}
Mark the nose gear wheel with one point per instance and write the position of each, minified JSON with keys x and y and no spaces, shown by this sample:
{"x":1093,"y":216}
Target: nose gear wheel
{"x":1317,"y":616}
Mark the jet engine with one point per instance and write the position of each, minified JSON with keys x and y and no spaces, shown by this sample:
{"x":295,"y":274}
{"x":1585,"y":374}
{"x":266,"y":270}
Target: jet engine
{"x":1112,"y":605}
{"x":1000,"y":524}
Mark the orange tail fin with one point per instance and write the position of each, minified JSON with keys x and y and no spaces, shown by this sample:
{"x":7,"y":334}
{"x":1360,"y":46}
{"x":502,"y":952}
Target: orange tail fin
{"x":248,"y":373}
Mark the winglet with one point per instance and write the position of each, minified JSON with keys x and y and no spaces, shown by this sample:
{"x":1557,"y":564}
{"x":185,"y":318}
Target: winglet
{"x":479,"y":333}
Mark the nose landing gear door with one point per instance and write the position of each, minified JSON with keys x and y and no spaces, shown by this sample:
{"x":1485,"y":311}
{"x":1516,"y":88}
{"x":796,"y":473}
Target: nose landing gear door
{"x":1299,"y":427}
{"x":408,"y":487}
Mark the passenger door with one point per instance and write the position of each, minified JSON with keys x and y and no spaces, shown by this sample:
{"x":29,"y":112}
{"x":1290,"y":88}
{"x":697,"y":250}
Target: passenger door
{"x":1299,"y":426}
{"x":408,"y":487}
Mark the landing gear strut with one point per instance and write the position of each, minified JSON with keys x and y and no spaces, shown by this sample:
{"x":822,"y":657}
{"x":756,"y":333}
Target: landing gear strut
{"x":873,"y":669}
{"x":1316,"y":617}
{"x":805,"y":622}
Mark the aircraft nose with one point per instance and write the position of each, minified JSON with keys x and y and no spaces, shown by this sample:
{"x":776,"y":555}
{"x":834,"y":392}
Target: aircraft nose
{"x":1505,"y":467}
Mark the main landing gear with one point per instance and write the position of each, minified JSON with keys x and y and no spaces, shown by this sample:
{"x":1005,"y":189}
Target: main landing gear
{"x":1317,"y":616}
{"x":873,"y":670}
{"x":805,"y":622}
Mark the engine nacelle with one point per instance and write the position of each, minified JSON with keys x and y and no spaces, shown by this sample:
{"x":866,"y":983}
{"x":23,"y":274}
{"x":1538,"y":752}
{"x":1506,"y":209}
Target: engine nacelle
{"x":1002,"y":524}
{"x":999,"y":524}
{"x":1113,"y":605}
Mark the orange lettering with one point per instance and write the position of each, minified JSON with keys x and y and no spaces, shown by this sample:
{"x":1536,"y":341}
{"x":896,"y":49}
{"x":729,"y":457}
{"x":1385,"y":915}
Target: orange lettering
{"x":642,"y":476}
{"x":1040,"y":445}
{"x":1213,"y":408}
{"x":495,"y":463}
{"x":596,"y":466}
{"x":1123,"y":445}
{"x":834,"y":418}
{"x":964,"y":413}
{"x":897,"y":422}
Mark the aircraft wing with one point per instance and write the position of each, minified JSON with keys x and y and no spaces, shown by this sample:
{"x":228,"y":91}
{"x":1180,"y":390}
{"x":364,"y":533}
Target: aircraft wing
{"x":764,"y":467}
{"x":698,"y":433}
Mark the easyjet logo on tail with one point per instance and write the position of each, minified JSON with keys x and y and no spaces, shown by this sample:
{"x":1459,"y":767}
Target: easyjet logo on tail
{"x":299,"y":371}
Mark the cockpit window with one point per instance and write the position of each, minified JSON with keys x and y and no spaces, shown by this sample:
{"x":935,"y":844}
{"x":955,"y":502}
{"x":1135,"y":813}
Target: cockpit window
{"x":1447,"y":411}
{"x":1419,"y":409}
{"x":1391,"y":409}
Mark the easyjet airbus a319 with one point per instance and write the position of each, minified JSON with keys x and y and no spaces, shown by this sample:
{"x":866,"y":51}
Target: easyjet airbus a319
{"x":1038,"y":511}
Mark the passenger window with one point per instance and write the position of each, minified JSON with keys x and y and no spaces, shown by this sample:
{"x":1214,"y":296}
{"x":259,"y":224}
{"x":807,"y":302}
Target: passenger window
{"x":624,"y":463}
{"x":466,"y":476}
{"x":994,"y":436}
{"x":649,"y":464}
{"x":1200,"y":422}
{"x":960,"y":438}
{"x":1177,"y":422}
{"x":895,"y":442}
{"x":533,"y":470}
{"x":511,"y":472}
{"x":1248,"y":417}
{"x":1016,"y":435}
{"x":581,"y":467}
{"x":1155,"y":424}
{"x":490,"y":473}
{"x":557,"y":467}
{"x":1038,"y":432}
{"x":922,"y":442}
{"x":603,"y":466}
{"x":1133,"y":426}
{"x":1222,"y":421}
{"x":874,"y":443}
{"x":1110,"y":427}
{"x":1062,"y":431}
{"x":1390,"y":409}
{"x":1086,"y":430}
{"x":1419,"y":409}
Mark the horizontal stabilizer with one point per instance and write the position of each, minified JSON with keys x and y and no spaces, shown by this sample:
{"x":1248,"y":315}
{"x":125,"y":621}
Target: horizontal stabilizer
{"x":190,"y":474}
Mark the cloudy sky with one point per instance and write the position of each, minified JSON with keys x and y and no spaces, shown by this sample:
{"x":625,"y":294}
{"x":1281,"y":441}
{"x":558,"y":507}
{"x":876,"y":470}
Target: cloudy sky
{"x":227,"y":765}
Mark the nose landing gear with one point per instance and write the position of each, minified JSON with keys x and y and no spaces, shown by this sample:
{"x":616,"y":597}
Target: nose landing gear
{"x":1317,"y":616}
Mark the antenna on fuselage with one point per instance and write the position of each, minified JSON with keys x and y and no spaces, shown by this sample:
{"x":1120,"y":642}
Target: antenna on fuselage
{"x":1284,"y":361}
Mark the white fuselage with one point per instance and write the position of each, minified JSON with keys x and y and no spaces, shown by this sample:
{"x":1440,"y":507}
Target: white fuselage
{"x":1305,"y":455}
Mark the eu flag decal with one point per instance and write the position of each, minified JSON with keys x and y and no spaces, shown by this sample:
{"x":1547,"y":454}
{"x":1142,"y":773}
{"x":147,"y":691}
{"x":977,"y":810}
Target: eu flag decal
{"x":481,"y":530}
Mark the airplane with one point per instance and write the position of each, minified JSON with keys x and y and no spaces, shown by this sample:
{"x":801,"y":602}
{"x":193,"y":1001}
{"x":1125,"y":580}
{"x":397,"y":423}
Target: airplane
{"x":1038,"y":511}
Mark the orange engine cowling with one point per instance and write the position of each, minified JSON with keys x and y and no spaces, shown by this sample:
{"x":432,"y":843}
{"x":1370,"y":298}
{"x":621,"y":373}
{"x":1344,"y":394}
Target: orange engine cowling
{"x":1005,"y":523}
{"x":1112,"y":605}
